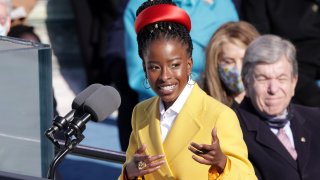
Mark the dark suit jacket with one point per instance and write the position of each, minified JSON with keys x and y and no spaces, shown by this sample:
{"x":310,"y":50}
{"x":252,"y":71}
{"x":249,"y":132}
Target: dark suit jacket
{"x":269,"y":157}
{"x":100,"y":33}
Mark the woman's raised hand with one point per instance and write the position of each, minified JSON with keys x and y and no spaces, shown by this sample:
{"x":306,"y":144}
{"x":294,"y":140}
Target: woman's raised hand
{"x":142,"y":164}
{"x":209,"y":154}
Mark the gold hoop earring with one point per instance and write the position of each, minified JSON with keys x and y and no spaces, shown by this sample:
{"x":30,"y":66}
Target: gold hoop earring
{"x":190,"y":80}
{"x":145,"y":83}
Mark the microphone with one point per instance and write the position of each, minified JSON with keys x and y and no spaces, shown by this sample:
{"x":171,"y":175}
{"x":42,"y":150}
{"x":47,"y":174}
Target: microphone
{"x":98,"y":104}
{"x":59,"y":122}
{"x":97,"y":107}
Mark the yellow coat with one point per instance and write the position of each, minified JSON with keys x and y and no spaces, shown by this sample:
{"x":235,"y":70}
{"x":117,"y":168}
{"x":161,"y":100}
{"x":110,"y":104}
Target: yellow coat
{"x":194,"y":123}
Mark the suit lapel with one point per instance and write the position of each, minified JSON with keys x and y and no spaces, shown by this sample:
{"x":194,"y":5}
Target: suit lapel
{"x":302,"y":139}
{"x":267,"y":138}
{"x":185,"y":127}
{"x":263,"y":133}
{"x":151,"y":136}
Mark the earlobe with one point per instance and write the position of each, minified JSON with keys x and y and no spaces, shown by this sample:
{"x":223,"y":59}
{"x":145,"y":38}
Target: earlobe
{"x":295,"y":80}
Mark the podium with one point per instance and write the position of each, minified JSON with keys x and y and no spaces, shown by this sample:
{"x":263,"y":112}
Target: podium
{"x":26,"y":107}
{"x":12,"y":176}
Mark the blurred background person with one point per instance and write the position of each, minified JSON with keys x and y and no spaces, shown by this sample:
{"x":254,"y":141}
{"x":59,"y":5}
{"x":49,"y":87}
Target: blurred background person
{"x":224,"y":59}
{"x":100,"y":32}
{"x":24,"y":32}
{"x":20,"y":11}
{"x":282,"y":137}
{"x":94,"y":21}
{"x":5,"y":19}
{"x":298,"y":21}
{"x":237,"y":4}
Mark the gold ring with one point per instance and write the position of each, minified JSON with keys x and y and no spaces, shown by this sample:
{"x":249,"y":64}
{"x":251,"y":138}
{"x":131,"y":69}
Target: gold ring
{"x":142,"y":165}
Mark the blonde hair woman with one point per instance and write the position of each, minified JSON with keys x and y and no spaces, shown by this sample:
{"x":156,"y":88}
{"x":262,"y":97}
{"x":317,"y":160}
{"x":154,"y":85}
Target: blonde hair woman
{"x":224,"y":54}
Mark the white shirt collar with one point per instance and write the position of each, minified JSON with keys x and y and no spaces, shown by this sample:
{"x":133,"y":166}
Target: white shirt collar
{"x":178,"y":104}
{"x":168,"y":117}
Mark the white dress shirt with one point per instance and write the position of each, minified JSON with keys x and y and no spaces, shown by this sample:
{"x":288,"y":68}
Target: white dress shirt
{"x":167,"y":117}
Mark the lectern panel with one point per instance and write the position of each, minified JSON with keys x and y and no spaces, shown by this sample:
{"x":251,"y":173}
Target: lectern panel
{"x":25,"y":107}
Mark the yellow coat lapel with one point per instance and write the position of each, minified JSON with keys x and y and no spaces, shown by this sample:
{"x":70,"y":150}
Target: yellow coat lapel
{"x":185,"y":127}
{"x":151,"y":134}
{"x":194,"y":123}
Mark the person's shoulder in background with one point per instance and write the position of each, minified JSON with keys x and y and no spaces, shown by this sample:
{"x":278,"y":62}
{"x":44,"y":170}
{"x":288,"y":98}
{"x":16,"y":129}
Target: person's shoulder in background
{"x":24,"y":32}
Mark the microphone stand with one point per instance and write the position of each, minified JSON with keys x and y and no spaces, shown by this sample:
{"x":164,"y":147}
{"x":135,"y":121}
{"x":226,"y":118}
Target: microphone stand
{"x":56,"y":161}
{"x":59,"y":123}
{"x":76,"y":130}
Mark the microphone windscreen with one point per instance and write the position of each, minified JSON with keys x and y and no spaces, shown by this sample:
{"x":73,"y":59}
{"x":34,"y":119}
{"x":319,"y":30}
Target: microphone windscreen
{"x":83,"y":95}
{"x":102,"y":103}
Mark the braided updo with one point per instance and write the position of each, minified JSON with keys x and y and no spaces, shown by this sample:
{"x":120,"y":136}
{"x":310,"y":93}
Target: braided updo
{"x":161,"y":30}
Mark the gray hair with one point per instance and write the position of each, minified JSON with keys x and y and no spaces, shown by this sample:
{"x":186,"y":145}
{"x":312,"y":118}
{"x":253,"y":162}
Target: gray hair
{"x":267,"y":49}
{"x":7,"y":4}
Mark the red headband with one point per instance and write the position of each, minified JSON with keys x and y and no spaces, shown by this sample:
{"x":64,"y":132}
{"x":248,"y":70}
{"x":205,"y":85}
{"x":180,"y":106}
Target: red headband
{"x":162,"y":12}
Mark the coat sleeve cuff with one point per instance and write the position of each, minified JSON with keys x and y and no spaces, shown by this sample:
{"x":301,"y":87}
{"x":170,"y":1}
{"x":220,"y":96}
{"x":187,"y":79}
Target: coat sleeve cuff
{"x":213,"y":173}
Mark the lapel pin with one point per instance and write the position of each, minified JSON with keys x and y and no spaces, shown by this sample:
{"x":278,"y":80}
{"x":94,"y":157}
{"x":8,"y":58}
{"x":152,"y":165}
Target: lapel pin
{"x":303,"y":139}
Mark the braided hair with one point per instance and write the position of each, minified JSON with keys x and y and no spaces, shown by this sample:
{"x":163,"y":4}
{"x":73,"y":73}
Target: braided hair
{"x":161,"y":30}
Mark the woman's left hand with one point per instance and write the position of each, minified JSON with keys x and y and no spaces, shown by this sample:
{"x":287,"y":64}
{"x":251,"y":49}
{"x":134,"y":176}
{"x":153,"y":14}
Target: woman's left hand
{"x":209,"y":154}
{"x":142,"y":164}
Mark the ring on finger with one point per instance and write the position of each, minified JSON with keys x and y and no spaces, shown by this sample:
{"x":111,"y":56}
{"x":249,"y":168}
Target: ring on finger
{"x":141,"y":165}
{"x":198,"y":152}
